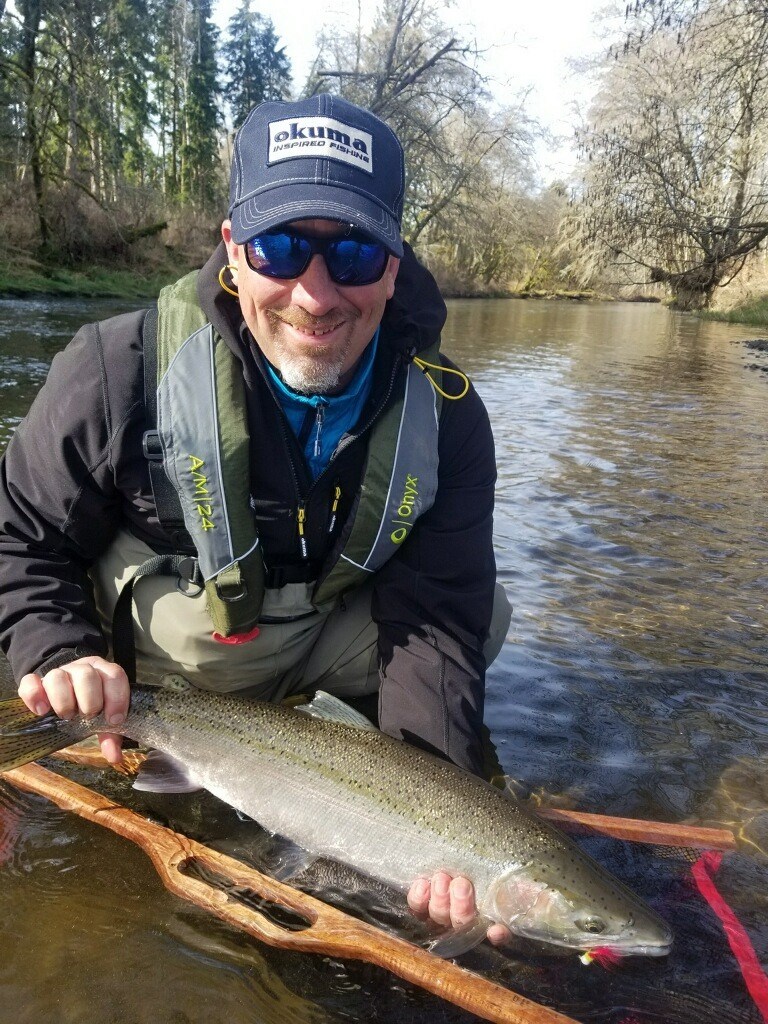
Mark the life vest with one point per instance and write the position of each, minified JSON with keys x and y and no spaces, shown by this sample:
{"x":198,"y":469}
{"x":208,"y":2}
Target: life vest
{"x":202,"y":446}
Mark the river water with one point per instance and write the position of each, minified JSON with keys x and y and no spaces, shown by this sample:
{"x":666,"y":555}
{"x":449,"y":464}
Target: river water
{"x":631,"y":537}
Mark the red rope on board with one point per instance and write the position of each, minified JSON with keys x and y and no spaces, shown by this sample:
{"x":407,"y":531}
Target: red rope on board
{"x":741,"y":947}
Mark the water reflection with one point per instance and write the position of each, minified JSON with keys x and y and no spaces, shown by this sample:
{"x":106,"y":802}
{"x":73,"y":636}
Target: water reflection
{"x":31,"y":333}
{"x":631,"y":536}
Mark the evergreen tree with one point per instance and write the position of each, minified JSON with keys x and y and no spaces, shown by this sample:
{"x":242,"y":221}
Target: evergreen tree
{"x":186,"y":93}
{"x":170,"y":17}
{"x":257,"y":67}
{"x":201,"y":169}
{"x":11,"y":100}
{"x":27,"y":63}
{"x":127,"y":41}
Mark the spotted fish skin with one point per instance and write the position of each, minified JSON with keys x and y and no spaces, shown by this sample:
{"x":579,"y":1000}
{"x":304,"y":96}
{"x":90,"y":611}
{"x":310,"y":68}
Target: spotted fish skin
{"x":381,"y":806}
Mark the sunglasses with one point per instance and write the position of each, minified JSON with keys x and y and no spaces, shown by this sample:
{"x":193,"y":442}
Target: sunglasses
{"x":352,"y":259}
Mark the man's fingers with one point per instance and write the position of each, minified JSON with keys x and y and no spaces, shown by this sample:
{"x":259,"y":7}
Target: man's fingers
{"x":33,"y":694}
{"x":446,"y":901}
{"x":418,"y":897}
{"x":111,"y":747}
{"x":451,"y":902}
{"x":117,"y":691}
{"x":499,"y":935}
{"x":61,"y":693}
{"x":88,"y":688}
{"x":440,"y":898}
{"x":462,"y":902}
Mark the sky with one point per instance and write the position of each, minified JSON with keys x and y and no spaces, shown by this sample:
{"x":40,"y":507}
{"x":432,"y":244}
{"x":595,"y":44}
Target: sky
{"x":527,"y":46}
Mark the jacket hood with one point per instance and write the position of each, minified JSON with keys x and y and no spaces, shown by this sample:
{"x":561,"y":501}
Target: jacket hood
{"x":413,"y":317}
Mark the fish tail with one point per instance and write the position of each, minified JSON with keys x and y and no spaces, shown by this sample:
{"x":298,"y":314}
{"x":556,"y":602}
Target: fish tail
{"x":24,"y":736}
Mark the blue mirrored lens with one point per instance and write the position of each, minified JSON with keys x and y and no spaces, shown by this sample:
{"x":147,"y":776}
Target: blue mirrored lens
{"x":284,"y":255}
{"x":351,"y":261}
{"x":279,"y":255}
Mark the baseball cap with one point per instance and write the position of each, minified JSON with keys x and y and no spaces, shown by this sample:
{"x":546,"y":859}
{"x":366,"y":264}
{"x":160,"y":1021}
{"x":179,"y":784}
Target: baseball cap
{"x":318,"y":157}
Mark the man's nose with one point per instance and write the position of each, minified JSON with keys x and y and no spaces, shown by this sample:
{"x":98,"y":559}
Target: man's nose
{"x":314,"y":290}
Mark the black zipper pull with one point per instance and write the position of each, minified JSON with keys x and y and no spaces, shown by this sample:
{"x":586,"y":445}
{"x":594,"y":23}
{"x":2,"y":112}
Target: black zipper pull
{"x":301,"y":515}
{"x":334,"y":506}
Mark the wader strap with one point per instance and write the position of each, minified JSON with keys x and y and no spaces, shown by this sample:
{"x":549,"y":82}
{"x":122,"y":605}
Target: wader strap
{"x":166,"y":498}
{"x":123,"y":640}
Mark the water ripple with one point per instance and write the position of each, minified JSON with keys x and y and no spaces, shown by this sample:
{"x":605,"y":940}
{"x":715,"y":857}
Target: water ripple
{"x":632,"y":539}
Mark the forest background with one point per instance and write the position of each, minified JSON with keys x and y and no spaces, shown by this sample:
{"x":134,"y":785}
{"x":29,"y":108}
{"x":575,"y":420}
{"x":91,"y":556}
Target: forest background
{"x":117,"y":119}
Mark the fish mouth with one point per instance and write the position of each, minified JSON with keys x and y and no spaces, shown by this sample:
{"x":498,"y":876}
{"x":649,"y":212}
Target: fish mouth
{"x":616,"y":944}
{"x":659,"y":945}
{"x":639,"y":948}
{"x":648,"y":950}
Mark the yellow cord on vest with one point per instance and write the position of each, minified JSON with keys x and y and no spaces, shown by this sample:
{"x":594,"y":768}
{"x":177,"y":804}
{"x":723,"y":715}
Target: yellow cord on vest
{"x":423,"y":365}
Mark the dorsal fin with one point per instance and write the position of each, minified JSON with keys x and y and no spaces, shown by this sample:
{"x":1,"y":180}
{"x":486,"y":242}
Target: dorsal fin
{"x":323,"y":705}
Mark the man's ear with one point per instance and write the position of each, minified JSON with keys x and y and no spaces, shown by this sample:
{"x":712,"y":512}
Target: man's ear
{"x":390,"y":274}
{"x":233,"y":249}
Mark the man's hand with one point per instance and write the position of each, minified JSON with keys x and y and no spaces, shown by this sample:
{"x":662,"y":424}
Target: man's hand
{"x":84,"y":687}
{"x":450,"y":902}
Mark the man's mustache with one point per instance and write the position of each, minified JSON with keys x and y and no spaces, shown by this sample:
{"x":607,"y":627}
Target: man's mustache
{"x":303,"y":321}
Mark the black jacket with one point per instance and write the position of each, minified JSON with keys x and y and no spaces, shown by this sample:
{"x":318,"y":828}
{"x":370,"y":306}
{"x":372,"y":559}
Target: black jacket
{"x":74,"y":473}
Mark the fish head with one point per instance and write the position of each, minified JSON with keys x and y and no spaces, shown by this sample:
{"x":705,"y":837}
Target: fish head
{"x":583,"y":911}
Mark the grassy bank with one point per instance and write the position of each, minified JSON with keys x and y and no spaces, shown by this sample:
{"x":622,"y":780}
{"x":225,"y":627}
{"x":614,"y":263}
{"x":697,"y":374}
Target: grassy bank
{"x":562,"y":293}
{"x":88,"y":282}
{"x":98,"y":282}
{"x":754,"y":313}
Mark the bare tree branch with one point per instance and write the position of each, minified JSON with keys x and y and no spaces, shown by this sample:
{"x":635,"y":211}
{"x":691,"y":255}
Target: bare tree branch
{"x":676,"y":170}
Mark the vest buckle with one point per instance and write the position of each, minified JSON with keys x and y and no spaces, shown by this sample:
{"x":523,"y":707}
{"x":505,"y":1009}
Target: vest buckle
{"x":190,"y":582}
{"x":151,"y":446}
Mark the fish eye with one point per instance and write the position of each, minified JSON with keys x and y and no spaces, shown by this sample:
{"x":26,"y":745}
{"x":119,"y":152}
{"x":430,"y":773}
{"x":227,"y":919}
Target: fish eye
{"x":593,"y":925}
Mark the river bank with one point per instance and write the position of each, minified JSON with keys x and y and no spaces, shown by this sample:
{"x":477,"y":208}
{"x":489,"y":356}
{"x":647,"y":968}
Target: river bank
{"x":88,"y":282}
{"x":753,"y":312}
{"x":99,"y":282}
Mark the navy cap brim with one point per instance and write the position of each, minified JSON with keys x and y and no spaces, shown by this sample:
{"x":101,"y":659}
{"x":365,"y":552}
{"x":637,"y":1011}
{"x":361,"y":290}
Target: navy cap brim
{"x":302,"y":200}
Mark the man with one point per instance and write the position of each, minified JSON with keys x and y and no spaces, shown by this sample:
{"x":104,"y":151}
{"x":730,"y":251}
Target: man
{"x":283,"y":479}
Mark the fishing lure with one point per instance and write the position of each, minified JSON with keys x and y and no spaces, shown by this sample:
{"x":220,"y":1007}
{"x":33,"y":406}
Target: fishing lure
{"x":603,"y":955}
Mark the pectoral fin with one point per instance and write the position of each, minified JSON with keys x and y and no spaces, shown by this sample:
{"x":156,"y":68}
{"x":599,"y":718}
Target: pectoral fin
{"x":161,"y":773}
{"x":515,"y":894}
{"x":460,"y":940}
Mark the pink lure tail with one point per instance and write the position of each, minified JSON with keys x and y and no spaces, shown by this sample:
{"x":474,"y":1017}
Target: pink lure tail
{"x":603,"y":955}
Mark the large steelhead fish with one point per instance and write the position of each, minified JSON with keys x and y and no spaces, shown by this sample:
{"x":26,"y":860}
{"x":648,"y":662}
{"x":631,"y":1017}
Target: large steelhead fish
{"x":384,"y":808}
